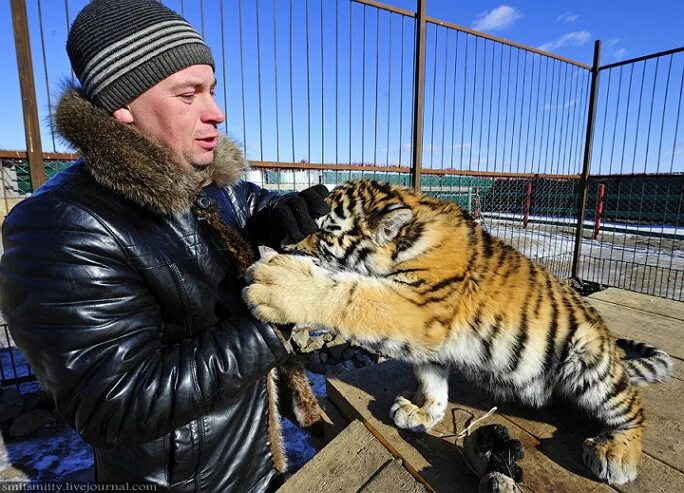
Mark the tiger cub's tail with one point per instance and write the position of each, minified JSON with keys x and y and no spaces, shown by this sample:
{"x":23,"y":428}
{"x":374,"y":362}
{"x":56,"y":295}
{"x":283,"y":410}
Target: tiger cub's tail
{"x":651,"y":364}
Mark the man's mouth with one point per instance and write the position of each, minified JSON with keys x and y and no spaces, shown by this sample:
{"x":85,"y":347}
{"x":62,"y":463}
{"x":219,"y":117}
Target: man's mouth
{"x":207,"y":143}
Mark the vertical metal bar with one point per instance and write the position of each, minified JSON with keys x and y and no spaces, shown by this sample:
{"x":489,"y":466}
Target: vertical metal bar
{"x":337,"y":81}
{"x":389,"y":89}
{"x":419,"y":95}
{"x":363,"y":89}
{"x":498,"y":108}
{"x":292,"y":125}
{"x":322,"y":93}
{"x":224,"y":81}
{"x":68,"y":25}
{"x":482,"y":101}
{"x":472,"y":111}
{"x":202,"y":17}
{"x":584,"y":179}
{"x":401,"y":94}
{"x":22,"y":45}
{"x":261,"y":119}
{"x":377,"y":85}
{"x":444,"y":93}
{"x":275,"y":73}
{"x":508,"y":93}
{"x":351,"y":24}
{"x":465,"y":90}
{"x":453,"y":110}
{"x":242,"y":80}
{"x":491,"y":100}
{"x":434,"y":98}
{"x":308,"y":82}
{"x":515,"y":104}
{"x":45,"y":71}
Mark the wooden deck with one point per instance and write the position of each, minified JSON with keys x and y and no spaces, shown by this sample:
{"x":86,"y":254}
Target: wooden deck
{"x":552,"y":437}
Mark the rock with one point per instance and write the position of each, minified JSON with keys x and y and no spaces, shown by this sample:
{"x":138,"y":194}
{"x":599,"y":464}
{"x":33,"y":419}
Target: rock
{"x":315,"y":344}
{"x":309,"y":359}
{"x":327,"y":336}
{"x":316,"y":368}
{"x":337,"y":350}
{"x":37,"y":400}
{"x":29,"y":423}
{"x":301,"y":338}
{"x":10,"y":404}
{"x":348,"y":354}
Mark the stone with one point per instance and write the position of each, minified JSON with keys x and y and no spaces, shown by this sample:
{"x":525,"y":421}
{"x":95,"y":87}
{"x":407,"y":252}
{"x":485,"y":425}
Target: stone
{"x":27,"y":424}
{"x":315,"y":344}
{"x":10,"y":404}
{"x":36,"y":400}
{"x":300,"y":337}
{"x":337,"y":350}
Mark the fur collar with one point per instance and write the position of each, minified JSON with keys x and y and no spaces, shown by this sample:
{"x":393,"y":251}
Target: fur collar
{"x":121,"y":159}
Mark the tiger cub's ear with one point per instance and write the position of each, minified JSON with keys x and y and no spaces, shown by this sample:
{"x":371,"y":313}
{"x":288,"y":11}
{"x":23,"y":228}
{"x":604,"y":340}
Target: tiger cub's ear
{"x":391,"y":222}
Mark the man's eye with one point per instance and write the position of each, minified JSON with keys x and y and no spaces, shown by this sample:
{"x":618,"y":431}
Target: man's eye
{"x":187,"y":97}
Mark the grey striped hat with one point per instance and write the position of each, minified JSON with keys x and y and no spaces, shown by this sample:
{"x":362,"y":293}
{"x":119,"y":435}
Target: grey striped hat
{"x":120,"y":48}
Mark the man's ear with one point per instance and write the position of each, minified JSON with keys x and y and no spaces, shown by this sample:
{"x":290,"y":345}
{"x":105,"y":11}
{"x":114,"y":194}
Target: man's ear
{"x":124,"y":115}
{"x":391,"y":222}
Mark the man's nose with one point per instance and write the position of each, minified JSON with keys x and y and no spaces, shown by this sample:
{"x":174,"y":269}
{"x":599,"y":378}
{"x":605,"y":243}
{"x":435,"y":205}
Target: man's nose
{"x":213,"y":113}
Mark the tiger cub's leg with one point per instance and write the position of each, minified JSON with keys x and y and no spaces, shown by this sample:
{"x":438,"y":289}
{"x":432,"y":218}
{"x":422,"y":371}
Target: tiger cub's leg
{"x":614,"y":454}
{"x":429,"y":402}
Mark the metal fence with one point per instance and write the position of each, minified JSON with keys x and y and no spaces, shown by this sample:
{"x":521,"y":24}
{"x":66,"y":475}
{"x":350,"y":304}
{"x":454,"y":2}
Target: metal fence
{"x":637,"y":185}
{"x":324,"y":91}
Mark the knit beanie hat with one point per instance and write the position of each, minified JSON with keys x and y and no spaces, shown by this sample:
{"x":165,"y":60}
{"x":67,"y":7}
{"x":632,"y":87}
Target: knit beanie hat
{"x":120,"y":48}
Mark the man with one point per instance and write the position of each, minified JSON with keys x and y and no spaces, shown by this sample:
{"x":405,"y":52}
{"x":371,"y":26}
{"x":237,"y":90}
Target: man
{"x":120,"y":278}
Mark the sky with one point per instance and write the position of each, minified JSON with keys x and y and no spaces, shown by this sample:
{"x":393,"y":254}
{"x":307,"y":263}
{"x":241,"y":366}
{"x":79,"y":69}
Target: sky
{"x":337,"y":89}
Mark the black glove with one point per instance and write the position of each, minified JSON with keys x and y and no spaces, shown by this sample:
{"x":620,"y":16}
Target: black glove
{"x":289,"y":219}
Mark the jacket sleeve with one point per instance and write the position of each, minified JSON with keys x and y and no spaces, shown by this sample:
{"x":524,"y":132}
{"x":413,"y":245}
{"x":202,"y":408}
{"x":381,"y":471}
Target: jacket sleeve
{"x":91,"y":331}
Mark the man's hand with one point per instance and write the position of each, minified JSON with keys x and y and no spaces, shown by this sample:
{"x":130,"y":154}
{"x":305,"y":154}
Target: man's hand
{"x":289,"y":219}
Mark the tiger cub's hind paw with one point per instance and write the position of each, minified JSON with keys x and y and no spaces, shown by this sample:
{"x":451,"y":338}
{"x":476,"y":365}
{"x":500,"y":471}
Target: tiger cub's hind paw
{"x":408,"y":416}
{"x":613,"y":457}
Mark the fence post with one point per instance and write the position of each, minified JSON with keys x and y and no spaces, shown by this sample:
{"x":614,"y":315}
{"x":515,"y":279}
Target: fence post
{"x":586,"y":165}
{"x":527,"y":203}
{"x":600,"y":204}
{"x":419,"y":95}
{"x":28,"y":93}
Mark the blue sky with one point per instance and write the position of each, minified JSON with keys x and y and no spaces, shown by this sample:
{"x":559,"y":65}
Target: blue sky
{"x":322,"y":114}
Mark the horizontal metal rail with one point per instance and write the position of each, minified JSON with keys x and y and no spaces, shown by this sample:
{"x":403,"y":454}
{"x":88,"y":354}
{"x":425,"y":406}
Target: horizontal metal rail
{"x":642,"y":58}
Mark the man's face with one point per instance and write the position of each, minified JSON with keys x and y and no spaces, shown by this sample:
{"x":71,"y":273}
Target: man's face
{"x":181,"y":113}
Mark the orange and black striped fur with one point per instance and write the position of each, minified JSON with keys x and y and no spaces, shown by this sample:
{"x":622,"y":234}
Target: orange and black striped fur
{"x":415,"y":278}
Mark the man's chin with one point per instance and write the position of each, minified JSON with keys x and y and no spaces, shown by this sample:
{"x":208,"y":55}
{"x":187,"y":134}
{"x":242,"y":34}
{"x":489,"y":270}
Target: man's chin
{"x":202,"y":162}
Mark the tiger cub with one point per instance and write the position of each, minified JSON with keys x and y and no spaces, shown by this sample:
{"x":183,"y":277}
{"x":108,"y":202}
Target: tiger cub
{"x":415,"y":278}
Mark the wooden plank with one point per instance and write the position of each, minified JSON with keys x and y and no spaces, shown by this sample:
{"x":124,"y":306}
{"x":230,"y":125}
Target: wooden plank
{"x":347,"y":463}
{"x":663,"y":332}
{"x":643,"y":302}
{"x":393,"y":477}
{"x":552,"y":464}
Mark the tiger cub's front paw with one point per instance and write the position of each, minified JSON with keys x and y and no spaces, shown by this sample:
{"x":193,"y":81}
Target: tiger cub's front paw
{"x":284,"y":289}
{"x":408,"y":416}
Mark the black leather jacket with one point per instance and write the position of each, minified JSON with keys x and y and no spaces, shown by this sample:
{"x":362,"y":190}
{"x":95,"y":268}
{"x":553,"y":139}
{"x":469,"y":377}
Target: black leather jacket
{"x":134,"y":322}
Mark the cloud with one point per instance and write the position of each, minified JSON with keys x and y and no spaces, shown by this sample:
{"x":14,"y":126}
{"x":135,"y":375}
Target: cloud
{"x":567,"y":17}
{"x":577,"y":38}
{"x":499,"y":18}
{"x":612,"y":52}
{"x":562,"y":106}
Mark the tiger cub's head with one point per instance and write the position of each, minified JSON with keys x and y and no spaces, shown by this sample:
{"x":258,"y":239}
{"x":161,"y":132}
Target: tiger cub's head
{"x":371,"y":227}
